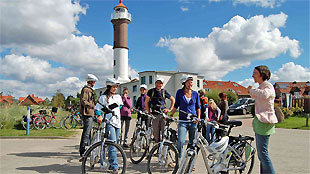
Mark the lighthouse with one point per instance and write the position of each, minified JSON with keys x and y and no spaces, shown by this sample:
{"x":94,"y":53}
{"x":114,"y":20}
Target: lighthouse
{"x":120,"y":19}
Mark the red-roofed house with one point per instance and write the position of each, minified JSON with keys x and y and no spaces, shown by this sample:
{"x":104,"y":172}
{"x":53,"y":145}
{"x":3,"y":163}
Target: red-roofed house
{"x":30,"y":100}
{"x":226,"y":86}
{"x":296,"y":89}
{"x":6,"y":100}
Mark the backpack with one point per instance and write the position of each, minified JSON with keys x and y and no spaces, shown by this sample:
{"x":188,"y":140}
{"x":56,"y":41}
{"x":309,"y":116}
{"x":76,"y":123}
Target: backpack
{"x":162,"y":91}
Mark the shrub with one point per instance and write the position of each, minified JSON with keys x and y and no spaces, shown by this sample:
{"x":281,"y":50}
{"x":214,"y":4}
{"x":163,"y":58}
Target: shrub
{"x":287,"y":112}
{"x":296,"y":110}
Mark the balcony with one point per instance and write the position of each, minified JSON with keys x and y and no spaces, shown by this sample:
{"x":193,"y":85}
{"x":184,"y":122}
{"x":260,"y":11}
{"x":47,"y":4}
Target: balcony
{"x":121,"y":15}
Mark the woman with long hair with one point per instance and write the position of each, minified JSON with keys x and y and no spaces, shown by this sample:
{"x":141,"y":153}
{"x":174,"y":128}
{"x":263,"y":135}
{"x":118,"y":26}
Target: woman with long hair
{"x":188,"y":101}
{"x":126,"y":115}
{"x":223,"y":105}
{"x":265,"y":118}
{"x":212,"y":114}
{"x":113,"y":101}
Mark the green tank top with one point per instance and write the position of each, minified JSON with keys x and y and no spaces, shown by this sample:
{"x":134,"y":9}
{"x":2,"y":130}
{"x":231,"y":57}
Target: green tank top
{"x":263,"y":128}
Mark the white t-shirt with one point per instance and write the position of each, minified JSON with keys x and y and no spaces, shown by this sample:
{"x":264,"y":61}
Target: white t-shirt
{"x":115,"y":121}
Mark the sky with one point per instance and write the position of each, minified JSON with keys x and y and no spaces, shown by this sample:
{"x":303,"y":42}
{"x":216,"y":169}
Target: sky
{"x":52,"y":45}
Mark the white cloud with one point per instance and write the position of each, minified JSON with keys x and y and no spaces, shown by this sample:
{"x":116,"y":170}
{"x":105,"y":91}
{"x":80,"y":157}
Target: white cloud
{"x":31,"y":69}
{"x":248,"y":82}
{"x":233,"y":46}
{"x":45,"y":54}
{"x":290,"y":72}
{"x":69,"y":86}
{"x":259,"y":3}
{"x":184,"y":8}
{"x":38,"y":22}
{"x":80,"y":54}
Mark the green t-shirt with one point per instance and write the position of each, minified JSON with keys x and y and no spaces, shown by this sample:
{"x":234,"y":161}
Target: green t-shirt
{"x":263,"y":128}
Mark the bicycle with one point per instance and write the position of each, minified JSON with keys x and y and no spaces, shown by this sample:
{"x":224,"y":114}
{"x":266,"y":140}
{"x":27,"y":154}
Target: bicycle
{"x":47,"y":120}
{"x":31,"y":121}
{"x":95,"y":158}
{"x":142,"y":138}
{"x":226,"y":153}
{"x":73,"y":120}
{"x":163,"y":157}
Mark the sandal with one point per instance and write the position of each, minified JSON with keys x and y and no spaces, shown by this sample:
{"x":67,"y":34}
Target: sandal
{"x":172,"y":164}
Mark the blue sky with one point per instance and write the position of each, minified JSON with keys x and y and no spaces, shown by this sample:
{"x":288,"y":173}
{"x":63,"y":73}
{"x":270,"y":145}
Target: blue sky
{"x":61,"y":41}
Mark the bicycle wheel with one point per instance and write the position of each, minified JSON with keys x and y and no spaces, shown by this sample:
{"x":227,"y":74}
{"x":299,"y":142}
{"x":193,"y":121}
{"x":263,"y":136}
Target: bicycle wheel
{"x":68,"y":123}
{"x":97,"y":159}
{"x":61,"y":122}
{"x":39,"y":123}
{"x":165,"y":161}
{"x":55,"y":123}
{"x":247,"y":152}
{"x":24,"y":123}
{"x":138,"y":149}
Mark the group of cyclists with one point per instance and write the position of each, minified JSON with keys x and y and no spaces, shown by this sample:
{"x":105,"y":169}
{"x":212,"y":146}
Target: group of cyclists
{"x":152,"y":102}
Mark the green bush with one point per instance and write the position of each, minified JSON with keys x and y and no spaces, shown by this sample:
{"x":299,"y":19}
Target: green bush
{"x":296,"y":110}
{"x":213,"y":94}
{"x":287,"y":112}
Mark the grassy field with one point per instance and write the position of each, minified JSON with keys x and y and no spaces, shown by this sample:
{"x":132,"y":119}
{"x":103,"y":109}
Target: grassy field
{"x":11,"y":116}
{"x":45,"y":132}
{"x":295,"y":122}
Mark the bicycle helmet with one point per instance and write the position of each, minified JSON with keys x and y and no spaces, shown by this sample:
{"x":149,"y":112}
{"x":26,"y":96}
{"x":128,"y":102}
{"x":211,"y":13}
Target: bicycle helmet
{"x":219,"y":146}
{"x":184,"y":78}
{"x":143,"y":86}
{"x":91,"y":77}
{"x":111,"y":82}
{"x":160,"y":79}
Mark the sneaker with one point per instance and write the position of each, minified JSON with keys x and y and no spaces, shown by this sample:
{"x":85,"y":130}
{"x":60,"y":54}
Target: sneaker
{"x":115,"y":171}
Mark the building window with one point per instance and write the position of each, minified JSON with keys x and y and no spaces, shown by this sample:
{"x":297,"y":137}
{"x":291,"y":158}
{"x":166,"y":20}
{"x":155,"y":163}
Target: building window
{"x":114,"y":75}
{"x":150,"y":79}
{"x":134,"y":100}
{"x":134,"y":88}
{"x":114,"y":63}
{"x":198,"y":83}
{"x":143,"y":80}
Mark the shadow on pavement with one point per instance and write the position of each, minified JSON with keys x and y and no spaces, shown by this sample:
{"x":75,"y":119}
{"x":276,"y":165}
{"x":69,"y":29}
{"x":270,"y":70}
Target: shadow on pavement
{"x":54,"y":168}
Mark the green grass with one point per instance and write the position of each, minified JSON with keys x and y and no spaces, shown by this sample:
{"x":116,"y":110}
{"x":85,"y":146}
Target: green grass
{"x":45,"y":132}
{"x":296,"y":122}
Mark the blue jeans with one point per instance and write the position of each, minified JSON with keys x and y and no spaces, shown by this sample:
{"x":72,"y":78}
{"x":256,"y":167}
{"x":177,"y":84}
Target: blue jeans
{"x":113,"y":133}
{"x":262,"y":142}
{"x":85,"y":138}
{"x":182,"y":129}
{"x":210,"y":130}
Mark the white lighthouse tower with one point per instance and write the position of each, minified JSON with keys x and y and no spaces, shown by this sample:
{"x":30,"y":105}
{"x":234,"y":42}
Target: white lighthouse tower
{"x":120,"y":19}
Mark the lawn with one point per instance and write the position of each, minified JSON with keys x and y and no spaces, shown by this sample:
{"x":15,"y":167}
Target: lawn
{"x":46,"y":132}
{"x":296,"y":122}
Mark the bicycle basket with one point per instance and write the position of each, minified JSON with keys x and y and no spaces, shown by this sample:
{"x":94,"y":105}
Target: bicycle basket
{"x":54,"y":109}
{"x":42,"y":112}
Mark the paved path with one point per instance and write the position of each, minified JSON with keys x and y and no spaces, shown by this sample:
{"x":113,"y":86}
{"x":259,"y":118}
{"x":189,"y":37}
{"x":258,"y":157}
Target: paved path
{"x":289,"y":150}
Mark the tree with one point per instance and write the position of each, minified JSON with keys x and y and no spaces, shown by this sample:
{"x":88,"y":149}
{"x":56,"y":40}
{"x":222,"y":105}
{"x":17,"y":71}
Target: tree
{"x":58,"y":100}
{"x":231,"y":97}
{"x":46,"y":102}
{"x":213,"y":94}
{"x":70,"y":101}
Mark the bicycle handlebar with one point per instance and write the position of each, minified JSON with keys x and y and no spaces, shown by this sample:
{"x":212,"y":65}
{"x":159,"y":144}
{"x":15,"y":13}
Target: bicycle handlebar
{"x":143,"y":113}
{"x":166,"y":116}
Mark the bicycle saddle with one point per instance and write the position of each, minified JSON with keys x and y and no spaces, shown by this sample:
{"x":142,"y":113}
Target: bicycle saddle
{"x":234,"y":123}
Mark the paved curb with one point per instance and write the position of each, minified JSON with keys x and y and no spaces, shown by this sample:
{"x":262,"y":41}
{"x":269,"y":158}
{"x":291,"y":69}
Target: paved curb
{"x":35,"y":137}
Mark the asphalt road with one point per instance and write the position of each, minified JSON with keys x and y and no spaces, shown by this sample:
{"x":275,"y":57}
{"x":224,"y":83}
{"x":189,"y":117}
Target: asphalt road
{"x":289,"y":151}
